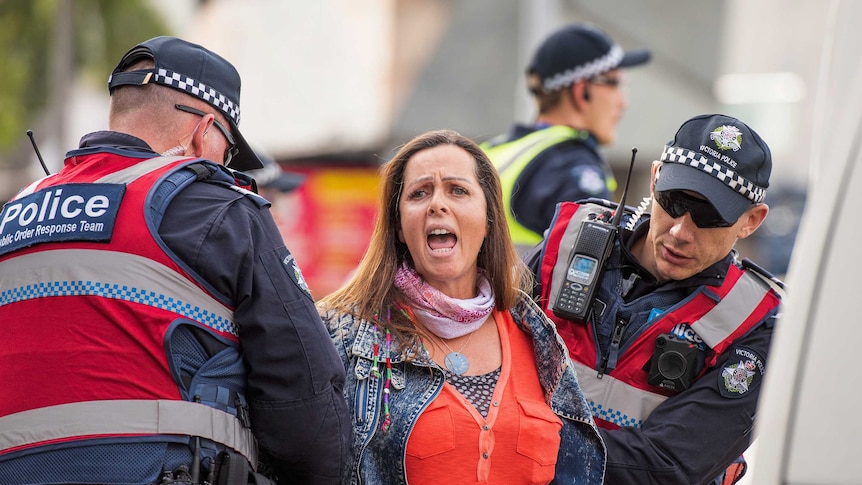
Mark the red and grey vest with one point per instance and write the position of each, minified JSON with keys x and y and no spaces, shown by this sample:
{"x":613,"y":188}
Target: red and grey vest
{"x":93,"y":304}
{"x":615,"y":383}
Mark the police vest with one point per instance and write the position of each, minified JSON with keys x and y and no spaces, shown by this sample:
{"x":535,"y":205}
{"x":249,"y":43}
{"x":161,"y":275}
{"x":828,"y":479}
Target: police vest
{"x":620,"y":395}
{"x":86,"y":280}
{"x":512,"y":157}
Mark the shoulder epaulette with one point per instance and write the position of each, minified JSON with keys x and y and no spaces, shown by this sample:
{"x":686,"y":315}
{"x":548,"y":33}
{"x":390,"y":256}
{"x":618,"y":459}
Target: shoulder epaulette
{"x":770,"y":279}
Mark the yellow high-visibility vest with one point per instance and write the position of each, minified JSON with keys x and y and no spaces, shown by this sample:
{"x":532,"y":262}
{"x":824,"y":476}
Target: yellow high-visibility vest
{"x":512,"y":157}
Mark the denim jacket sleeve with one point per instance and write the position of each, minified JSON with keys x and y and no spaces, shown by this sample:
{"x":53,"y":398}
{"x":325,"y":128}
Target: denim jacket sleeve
{"x":378,"y":456}
{"x":343,"y":337}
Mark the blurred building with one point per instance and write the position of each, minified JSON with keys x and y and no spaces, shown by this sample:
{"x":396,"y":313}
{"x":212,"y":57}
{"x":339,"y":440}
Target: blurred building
{"x":332,"y":87}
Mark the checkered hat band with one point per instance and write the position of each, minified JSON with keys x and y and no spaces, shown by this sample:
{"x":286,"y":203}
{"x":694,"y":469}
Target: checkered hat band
{"x":733,"y":180}
{"x":200,"y":90}
{"x":603,"y":64}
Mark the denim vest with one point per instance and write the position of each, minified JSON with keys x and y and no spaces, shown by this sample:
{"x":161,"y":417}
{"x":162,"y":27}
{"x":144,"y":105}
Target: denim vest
{"x":379,"y":457}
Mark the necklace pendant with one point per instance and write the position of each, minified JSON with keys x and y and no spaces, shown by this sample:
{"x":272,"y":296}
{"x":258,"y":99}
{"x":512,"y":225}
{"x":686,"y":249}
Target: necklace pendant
{"x":456,"y":362}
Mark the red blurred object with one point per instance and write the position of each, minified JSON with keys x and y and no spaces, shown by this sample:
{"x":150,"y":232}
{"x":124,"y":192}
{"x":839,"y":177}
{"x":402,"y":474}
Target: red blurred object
{"x":327,"y":222}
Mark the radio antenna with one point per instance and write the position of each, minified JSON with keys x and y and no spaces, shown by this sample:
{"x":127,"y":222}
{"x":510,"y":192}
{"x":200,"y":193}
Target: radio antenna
{"x":36,"y":149}
{"x":618,"y":216}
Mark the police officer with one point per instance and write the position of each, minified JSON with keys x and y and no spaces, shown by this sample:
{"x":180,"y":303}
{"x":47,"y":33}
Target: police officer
{"x":672,"y":349}
{"x":574,"y":78}
{"x":271,"y":178}
{"x":157,"y":330}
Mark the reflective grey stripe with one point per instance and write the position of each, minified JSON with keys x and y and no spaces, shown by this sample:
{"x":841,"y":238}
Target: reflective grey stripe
{"x":110,"y":274}
{"x":30,"y":188}
{"x":144,"y":167}
{"x":615,"y":401}
{"x":123,"y":176}
{"x":717,"y":324}
{"x":126,"y":417}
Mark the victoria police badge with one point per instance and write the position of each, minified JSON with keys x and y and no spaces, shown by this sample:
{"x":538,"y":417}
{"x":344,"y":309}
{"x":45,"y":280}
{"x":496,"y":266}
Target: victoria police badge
{"x":738,"y":377}
{"x":743,"y":373}
{"x":290,"y":265}
{"x":590,"y":179}
{"x":727,"y":137}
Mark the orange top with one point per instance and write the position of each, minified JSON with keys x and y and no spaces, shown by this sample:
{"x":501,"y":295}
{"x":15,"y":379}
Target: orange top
{"x":518,"y":441}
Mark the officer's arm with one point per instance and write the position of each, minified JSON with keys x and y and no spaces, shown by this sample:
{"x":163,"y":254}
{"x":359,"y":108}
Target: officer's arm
{"x":692,"y":437}
{"x":295,"y":376}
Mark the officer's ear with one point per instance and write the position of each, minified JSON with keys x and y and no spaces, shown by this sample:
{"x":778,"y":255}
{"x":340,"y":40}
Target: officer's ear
{"x":580,"y":94}
{"x":198,"y":137}
{"x":753,"y":217}
{"x":654,"y":171}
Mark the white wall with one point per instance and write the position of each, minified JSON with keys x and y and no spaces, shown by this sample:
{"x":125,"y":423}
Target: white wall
{"x":316,"y":74}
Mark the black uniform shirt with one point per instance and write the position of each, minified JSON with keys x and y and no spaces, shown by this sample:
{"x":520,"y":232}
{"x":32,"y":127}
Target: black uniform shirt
{"x":692,"y":436}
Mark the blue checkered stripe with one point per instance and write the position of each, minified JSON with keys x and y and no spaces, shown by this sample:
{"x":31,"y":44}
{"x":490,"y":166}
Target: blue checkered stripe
{"x":118,"y":292}
{"x":593,"y":68}
{"x":199,"y":90}
{"x":613,"y":416}
{"x":733,"y":180}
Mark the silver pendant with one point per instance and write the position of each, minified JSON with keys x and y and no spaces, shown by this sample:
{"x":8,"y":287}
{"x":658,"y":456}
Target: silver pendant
{"x":456,"y":363}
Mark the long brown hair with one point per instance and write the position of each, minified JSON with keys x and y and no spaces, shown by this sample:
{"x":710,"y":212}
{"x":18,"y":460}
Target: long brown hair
{"x":371,"y":290}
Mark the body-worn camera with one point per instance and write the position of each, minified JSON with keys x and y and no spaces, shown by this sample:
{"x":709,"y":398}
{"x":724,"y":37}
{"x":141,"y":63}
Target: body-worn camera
{"x":675,"y":362}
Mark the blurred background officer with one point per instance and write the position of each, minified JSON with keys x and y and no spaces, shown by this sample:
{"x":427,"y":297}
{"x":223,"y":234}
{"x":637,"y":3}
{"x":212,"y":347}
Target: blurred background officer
{"x":158,"y":329}
{"x":271,"y":179}
{"x":280,"y":189}
{"x":575,"y":78}
{"x":671,"y":351}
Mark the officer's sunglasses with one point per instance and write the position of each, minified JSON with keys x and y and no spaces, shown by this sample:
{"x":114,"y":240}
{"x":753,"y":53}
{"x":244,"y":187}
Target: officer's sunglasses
{"x":232,"y":150}
{"x":605,"y":80}
{"x":676,"y":203}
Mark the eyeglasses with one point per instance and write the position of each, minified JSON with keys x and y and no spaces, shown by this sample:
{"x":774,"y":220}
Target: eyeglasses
{"x":676,"y":203}
{"x":605,"y":80}
{"x":232,"y":150}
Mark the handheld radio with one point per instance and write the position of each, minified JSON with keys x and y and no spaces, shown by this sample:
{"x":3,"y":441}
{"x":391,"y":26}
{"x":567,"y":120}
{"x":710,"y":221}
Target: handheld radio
{"x":587,"y":259}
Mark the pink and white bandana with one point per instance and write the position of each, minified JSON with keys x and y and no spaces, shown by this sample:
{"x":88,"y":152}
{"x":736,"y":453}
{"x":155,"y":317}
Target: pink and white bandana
{"x":445,"y":317}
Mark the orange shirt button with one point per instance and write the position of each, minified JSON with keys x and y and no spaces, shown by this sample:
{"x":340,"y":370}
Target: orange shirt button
{"x":486,"y":427}
{"x":485,"y":455}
